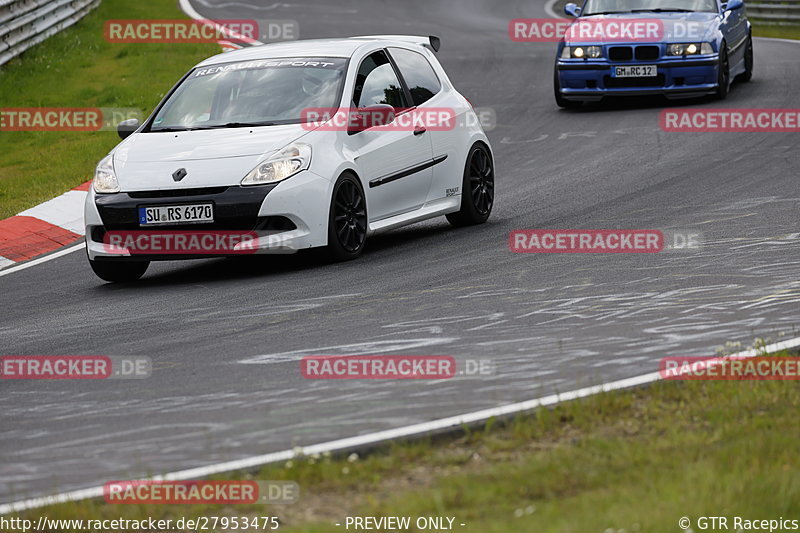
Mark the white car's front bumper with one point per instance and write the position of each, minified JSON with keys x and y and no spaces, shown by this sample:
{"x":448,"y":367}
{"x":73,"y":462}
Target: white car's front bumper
{"x":299,"y":206}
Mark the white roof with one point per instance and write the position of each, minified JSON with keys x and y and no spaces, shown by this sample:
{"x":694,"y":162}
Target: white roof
{"x":311,"y":48}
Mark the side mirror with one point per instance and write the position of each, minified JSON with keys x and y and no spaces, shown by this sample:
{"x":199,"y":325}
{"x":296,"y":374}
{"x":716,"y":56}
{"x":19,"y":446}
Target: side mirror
{"x":734,"y":4}
{"x":127,"y":127}
{"x":572,"y":10}
{"x":370,"y":117}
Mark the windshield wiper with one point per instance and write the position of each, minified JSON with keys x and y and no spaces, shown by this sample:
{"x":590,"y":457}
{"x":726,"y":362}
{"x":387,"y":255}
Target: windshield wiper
{"x":662,"y":10}
{"x":236,"y":125}
{"x":606,"y":13}
{"x":168,"y":130}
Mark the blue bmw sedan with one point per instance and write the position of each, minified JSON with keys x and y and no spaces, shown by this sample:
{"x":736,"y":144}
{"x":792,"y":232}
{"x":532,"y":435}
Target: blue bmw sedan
{"x":674,"y":48}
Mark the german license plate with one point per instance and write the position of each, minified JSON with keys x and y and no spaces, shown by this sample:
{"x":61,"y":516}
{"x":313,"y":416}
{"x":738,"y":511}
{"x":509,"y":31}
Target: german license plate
{"x":636,"y":71}
{"x":165,"y":215}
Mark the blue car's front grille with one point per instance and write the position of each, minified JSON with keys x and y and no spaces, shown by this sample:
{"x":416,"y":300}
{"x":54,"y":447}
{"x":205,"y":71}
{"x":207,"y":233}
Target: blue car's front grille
{"x":647,"y":53}
{"x":620,"y":53}
{"x":627,"y":53}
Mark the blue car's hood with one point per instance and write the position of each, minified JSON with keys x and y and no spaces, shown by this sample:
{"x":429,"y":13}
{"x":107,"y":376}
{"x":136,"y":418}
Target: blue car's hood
{"x":677,"y":27}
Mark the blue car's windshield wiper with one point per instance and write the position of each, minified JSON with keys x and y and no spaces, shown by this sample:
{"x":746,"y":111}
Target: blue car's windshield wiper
{"x":606,"y":13}
{"x":662,"y":10}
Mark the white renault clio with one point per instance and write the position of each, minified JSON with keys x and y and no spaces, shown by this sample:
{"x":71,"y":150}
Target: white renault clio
{"x":301,"y":145}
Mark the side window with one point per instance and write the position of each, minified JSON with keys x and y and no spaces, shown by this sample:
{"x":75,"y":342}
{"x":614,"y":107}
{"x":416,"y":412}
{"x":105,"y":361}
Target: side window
{"x":418,"y":74}
{"x":376,"y":83}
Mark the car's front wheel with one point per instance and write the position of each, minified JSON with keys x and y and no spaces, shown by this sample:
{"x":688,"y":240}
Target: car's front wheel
{"x":477,"y":189}
{"x":347,"y":223}
{"x":119,"y":271}
{"x":724,"y":74}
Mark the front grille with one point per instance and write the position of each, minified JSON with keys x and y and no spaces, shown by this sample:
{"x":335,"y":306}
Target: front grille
{"x":235,"y":208}
{"x":617,"y":83}
{"x":170,"y":193}
{"x":647,"y":53}
{"x":620,"y":53}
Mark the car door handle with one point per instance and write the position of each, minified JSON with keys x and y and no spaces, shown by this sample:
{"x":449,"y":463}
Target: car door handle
{"x":419,"y":131}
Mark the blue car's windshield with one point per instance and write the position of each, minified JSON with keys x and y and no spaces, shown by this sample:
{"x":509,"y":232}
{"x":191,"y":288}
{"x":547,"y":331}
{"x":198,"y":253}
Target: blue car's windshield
{"x":252,"y":93}
{"x":609,"y":7}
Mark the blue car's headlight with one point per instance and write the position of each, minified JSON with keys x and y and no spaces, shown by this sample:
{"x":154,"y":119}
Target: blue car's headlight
{"x":582,"y":52}
{"x":689,"y":49}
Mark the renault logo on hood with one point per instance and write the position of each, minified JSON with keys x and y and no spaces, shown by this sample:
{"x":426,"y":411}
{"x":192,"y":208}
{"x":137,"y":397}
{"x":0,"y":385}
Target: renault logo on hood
{"x":179,"y":174}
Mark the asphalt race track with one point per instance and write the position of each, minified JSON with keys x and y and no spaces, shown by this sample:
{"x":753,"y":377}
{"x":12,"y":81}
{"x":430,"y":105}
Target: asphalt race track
{"x":226,"y":335}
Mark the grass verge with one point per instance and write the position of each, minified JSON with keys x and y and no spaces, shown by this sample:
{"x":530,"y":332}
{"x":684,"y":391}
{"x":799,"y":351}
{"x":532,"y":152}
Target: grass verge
{"x":778,"y":32}
{"x":635,"y":460}
{"x":79,"y":68}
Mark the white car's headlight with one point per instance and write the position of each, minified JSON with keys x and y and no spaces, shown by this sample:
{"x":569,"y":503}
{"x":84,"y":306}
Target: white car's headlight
{"x":105,"y":182}
{"x":285,"y":164}
{"x":690,"y":49}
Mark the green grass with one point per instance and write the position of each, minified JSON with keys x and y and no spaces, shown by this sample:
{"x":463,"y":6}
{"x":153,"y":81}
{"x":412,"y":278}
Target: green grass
{"x":780,"y":32}
{"x":635,"y":460}
{"x":78,"y":68}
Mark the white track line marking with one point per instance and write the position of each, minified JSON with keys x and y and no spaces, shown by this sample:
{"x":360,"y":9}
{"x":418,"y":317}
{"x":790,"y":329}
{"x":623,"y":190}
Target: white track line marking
{"x":417,"y":430}
{"x":44,"y":259}
{"x":548,"y":8}
{"x":64,"y":211}
{"x":187,"y":8}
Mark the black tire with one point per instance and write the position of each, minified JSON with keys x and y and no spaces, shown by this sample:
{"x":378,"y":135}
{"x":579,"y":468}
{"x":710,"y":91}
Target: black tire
{"x":724,"y":74}
{"x":477,"y":189}
{"x":747,"y":75}
{"x":347,"y":220}
{"x":560,"y":100}
{"x":119,"y":271}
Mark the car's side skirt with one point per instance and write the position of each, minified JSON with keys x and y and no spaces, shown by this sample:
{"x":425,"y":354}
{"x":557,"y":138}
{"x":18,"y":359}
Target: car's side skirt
{"x":433,"y":209}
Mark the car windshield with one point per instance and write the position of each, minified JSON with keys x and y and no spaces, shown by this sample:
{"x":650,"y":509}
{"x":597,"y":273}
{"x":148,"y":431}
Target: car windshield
{"x":610,"y":7}
{"x":252,"y":93}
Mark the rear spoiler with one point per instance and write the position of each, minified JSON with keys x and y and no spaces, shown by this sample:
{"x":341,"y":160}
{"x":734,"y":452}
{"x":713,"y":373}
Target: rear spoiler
{"x":432,"y":42}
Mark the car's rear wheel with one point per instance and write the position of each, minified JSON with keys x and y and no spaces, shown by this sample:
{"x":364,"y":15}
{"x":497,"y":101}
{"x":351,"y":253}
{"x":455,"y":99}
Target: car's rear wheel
{"x":747,"y":75}
{"x":477,"y":190}
{"x":119,"y":271}
{"x":724,"y":75}
{"x":560,"y":100}
{"x":347,"y":224}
